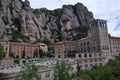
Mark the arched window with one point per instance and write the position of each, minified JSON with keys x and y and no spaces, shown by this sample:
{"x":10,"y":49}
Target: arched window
{"x":85,"y":55}
{"x":99,"y":54}
{"x":81,"y":47}
{"x":84,"y":46}
{"x":95,"y":55}
{"x":98,"y":48}
{"x":80,"y":55}
{"x":94,"y":48}
{"x":88,"y":46}
{"x":90,"y":55}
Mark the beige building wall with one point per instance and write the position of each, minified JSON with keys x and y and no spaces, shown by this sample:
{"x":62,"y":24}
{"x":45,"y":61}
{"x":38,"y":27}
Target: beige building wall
{"x":64,"y":48}
{"x":114,"y":46}
{"x":102,"y":38}
{"x":46,"y":74}
{"x":97,"y":41}
{"x":17,"y":49}
{"x":93,"y":50}
{"x":59,"y":49}
{"x":88,"y":60}
{"x":101,"y":33}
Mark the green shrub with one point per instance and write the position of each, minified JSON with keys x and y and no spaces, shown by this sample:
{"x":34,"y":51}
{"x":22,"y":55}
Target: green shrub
{"x":17,"y":61}
{"x":2,"y":53}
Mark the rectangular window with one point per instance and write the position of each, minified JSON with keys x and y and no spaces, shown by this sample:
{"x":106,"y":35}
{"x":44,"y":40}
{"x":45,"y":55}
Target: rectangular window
{"x":95,"y":60}
{"x":47,"y":74}
{"x":86,"y":65}
{"x":86,"y":61}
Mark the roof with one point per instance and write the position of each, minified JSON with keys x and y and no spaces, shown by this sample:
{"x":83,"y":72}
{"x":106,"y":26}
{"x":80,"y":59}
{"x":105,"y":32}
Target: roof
{"x":111,"y":37}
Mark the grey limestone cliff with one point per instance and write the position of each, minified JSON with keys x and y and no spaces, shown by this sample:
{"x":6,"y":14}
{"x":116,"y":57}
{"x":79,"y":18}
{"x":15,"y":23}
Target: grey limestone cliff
{"x":19,"y":22}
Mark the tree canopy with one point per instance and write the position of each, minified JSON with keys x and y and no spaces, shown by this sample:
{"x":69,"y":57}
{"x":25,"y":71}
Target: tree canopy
{"x":111,"y":71}
{"x":2,"y":53}
{"x":30,"y":73}
{"x":62,"y":71}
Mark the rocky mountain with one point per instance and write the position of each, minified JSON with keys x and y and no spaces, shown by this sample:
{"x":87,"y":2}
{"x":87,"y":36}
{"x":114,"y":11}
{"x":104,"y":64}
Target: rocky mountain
{"x":19,"y":22}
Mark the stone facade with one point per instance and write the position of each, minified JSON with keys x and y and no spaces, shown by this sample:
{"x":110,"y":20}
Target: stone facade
{"x":96,"y":42}
{"x":64,"y":49}
{"x":89,"y":60}
{"x":114,"y":46}
{"x":93,"y":50}
{"x":17,"y":49}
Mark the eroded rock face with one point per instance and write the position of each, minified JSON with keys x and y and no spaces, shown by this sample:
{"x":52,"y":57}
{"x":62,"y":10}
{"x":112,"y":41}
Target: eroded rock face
{"x":16,"y":8}
{"x":2,"y":28}
{"x":54,"y":25}
{"x":29,"y":24}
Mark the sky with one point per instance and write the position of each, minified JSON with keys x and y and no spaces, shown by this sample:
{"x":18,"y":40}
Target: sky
{"x":102,"y":9}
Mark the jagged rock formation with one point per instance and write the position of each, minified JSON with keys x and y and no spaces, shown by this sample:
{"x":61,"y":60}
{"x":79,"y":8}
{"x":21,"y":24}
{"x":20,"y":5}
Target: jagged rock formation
{"x":19,"y":22}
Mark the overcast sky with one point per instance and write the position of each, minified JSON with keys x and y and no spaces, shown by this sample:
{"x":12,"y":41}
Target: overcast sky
{"x":102,"y":9}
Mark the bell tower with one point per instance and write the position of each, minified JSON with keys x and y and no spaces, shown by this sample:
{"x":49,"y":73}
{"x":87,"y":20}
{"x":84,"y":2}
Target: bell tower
{"x":99,"y":33}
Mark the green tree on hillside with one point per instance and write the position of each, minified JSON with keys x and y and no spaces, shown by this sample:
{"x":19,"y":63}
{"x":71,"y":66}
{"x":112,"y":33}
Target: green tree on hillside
{"x":62,"y":71}
{"x":11,"y":55}
{"x":42,"y":53}
{"x":110,"y":71}
{"x":2,"y":53}
{"x":115,"y":65}
{"x":30,"y":73}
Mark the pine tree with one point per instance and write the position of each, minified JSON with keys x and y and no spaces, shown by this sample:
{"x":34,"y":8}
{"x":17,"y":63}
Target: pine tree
{"x":62,"y":71}
{"x":2,"y":53}
{"x":30,"y":73}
